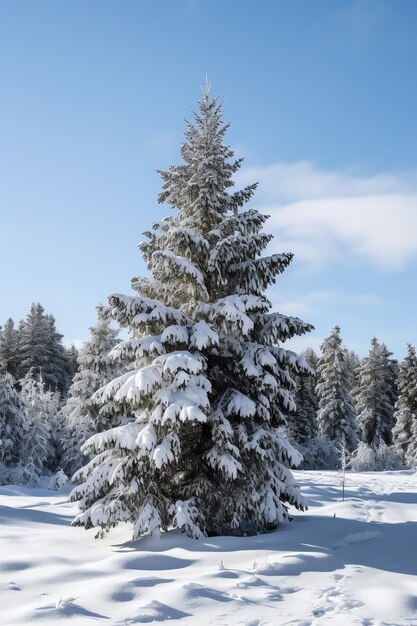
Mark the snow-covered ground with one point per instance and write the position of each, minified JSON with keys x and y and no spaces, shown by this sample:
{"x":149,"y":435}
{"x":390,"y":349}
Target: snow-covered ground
{"x":342,"y":563}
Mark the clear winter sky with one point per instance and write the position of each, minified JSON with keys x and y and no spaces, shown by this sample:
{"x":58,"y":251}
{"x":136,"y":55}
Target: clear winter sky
{"x":322,"y":100}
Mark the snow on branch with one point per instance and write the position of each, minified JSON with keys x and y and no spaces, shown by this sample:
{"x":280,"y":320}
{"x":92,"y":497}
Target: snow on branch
{"x":276,"y":327}
{"x":234,"y":309}
{"x":134,"y":311}
{"x":203,"y":336}
{"x":150,"y":345}
{"x":177,"y":263}
{"x":240,"y":404}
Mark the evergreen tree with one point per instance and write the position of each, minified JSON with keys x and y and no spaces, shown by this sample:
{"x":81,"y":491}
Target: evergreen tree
{"x":83,"y":417}
{"x":336,"y":415}
{"x":11,"y":423}
{"x":302,"y":426}
{"x":373,"y":402}
{"x":9,"y":349}
{"x":56,"y":421}
{"x":353,"y":365}
{"x":72,"y":355}
{"x":41,"y":351}
{"x":37,"y":450}
{"x":392,"y":384}
{"x":406,"y":408}
{"x":210,"y":385}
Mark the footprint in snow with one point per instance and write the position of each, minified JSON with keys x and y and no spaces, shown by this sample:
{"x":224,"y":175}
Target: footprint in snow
{"x":357,"y":538}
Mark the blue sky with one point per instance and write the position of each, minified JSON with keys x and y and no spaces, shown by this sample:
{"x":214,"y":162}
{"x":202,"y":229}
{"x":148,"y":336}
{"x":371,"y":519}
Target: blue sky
{"x":322,"y":100}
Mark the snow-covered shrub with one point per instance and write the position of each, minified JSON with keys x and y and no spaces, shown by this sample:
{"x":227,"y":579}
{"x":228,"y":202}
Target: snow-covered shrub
{"x":364,"y":458}
{"x":389,"y":458}
{"x":382,"y":458}
{"x":58,"y":480}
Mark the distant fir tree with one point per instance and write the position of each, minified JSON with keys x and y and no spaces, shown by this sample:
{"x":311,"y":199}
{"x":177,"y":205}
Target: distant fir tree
{"x":392,"y":383}
{"x":11,"y":425}
{"x":373,"y":400}
{"x":72,"y":355}
{"x":210,"y":387}
{"x":41,"y":351}
{"x":336,"y":415}
{"x":9,"y":359}
{"x":84,"y":417}
{"x":37,"y":450}
{"x":405,"y":430}
{"x":302,"y":426}
{"x":353,"y":365}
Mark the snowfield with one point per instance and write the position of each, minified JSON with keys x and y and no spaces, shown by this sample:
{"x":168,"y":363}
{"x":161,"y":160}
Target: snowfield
{"x":341,"y":563}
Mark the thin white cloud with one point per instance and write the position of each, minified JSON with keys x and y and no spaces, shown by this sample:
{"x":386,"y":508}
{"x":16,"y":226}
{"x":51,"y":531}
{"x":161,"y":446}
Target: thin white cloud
{"x":322,"y":215}
{"x":312,"y":302}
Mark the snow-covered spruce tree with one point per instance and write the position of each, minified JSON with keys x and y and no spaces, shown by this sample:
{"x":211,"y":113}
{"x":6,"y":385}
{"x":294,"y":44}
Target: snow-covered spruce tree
{"x":84,"y":417}
{"x":72,"y":354}
{"x":405,"y":430}
{"x":11,"y":426}
{"x":374,"y":408}
{"x":9,"y":349}
{"x":336,"y":415}
{"x":37,"y":450}
{"x":211,"y":386}
{"x":353,"y":365}
{"x":302,"y":426}
{"x":41,"y":350}
{"x":392,"y":384}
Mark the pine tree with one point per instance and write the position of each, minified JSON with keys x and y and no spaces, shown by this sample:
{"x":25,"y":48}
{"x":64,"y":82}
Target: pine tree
{"x":37,"y":450}
{"x":83,"y":417}
{"x":210,"y":385}
{"x":302,"y":426}
{"x":11,"y":424}
{"x":405,"y":429}
{"x":9,"y":349}
{"x":373,"y":402}
{"x":41,"y":351}
{"x":336,"y":415}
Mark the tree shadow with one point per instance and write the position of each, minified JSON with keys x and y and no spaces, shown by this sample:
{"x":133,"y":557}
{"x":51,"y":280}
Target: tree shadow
{"x":12,"y":515}
{"x":317,"y":543}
